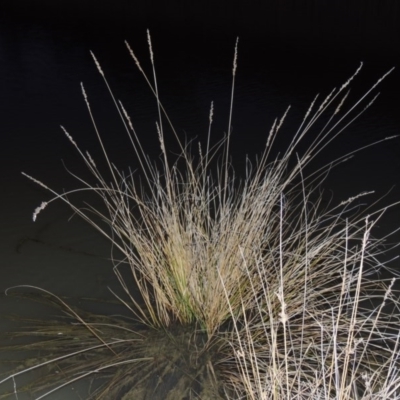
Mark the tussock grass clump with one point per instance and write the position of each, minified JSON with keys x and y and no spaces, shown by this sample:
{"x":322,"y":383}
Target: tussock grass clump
{"x":266,"y":290}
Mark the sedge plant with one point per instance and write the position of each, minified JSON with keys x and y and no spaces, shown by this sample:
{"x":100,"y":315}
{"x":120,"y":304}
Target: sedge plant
{"x":262,"y":286}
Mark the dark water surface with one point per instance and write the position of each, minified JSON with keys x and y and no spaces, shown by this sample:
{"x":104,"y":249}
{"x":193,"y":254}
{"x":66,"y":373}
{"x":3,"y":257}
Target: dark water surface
{"x":41,"y":67}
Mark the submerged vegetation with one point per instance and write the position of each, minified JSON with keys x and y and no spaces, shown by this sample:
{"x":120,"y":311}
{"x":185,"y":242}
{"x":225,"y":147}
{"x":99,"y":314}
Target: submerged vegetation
{"x":249,"y":288}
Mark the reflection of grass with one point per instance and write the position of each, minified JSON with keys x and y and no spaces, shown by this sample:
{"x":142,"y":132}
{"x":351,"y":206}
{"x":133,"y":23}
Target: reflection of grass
{"x":250,"y":289}
{"x":154,"y":363}
{"x":22,"y":242}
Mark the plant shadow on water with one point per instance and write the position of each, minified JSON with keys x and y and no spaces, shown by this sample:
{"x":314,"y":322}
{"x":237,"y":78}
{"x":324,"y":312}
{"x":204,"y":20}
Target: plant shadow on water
{"x":249,"y":288}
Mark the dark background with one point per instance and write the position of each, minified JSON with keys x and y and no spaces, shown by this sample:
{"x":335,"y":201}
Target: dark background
{"x":352,"y":27}
{"x":360,"y":29}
